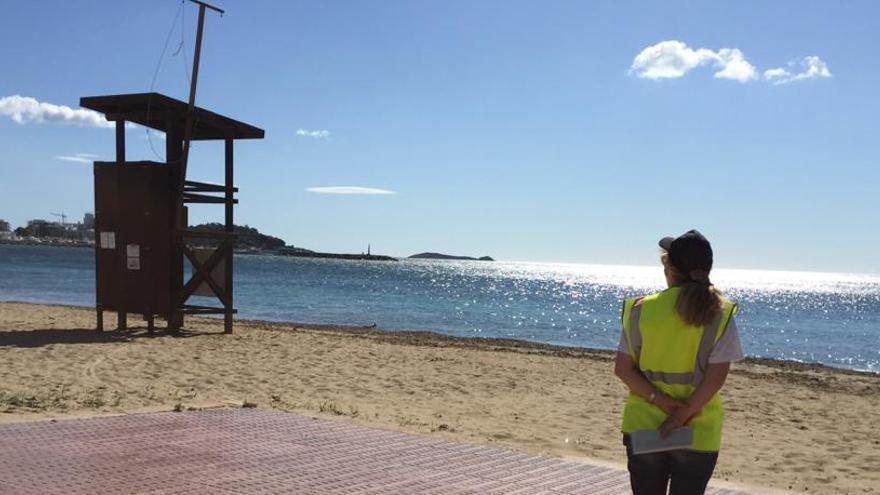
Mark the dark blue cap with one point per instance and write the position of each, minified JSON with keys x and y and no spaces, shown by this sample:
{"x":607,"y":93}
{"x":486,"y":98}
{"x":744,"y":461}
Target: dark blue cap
{"x":689,"y":251}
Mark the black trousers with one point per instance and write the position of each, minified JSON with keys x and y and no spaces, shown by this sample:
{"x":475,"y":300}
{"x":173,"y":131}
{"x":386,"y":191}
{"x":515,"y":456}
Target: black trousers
{"x":684,"y":472}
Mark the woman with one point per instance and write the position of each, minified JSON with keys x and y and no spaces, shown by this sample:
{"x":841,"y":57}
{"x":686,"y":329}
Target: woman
{"x":674,"y":355}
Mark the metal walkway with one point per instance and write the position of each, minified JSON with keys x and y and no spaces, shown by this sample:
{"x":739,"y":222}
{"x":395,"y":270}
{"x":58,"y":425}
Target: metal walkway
{"x":238,"y":451}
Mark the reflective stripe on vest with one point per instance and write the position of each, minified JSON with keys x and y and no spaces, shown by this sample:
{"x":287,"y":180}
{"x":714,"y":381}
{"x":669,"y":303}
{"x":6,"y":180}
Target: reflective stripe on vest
{"x":707,"y":342}
{"x":635,"y":335}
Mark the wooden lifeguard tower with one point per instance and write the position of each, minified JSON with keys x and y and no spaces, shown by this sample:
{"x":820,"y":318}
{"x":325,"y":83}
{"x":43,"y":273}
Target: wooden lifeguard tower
{"x":141,"y":217}
{"x":141,"y":233}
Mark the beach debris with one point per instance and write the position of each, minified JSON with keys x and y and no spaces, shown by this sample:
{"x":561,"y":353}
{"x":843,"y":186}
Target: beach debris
{"x":328,"y":406}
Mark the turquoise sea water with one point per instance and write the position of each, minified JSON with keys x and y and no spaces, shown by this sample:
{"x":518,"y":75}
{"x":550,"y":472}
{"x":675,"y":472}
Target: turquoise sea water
{"x":814,"y":317}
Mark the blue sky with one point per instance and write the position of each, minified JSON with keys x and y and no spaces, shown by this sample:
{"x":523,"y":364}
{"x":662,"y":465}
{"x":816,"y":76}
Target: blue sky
{"x":541,"y":131}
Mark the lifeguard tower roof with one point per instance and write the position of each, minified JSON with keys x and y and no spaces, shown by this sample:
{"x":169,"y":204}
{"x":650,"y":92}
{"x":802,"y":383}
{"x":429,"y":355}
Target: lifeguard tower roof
{"x":158,"y":112}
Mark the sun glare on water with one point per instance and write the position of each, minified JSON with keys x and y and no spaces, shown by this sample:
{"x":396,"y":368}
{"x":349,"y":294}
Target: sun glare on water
{"x":651,"y":277}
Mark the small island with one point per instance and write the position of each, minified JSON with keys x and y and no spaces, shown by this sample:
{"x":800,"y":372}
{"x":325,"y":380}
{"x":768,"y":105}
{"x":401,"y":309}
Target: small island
{"x":439,"y":256}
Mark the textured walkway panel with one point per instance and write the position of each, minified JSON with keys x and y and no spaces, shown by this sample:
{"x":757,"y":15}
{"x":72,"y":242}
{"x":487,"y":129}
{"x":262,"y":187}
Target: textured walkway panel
{"x":248,"y":451}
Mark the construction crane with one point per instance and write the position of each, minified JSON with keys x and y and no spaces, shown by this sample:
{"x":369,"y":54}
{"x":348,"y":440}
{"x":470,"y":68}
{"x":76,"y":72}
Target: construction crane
{"x":62,"y":216}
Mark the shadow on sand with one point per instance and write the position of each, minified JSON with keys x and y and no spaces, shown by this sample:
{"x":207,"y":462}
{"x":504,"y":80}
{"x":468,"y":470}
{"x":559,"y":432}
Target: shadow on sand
{"x":49,"y":336}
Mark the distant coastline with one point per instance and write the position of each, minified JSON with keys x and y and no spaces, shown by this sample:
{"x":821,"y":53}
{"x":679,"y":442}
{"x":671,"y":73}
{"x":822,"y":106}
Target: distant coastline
{"x":248,"y":241}
{"x":48,"y":242}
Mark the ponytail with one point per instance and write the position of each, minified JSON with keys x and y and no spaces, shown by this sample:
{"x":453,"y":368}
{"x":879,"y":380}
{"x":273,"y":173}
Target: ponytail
{"x":699,"y":302}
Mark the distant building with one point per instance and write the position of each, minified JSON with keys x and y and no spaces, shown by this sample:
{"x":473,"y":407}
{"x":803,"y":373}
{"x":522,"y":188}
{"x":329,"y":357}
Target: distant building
{"x":45,"y":229}
{"x":35,"y":225}
{"x":40,"y":230}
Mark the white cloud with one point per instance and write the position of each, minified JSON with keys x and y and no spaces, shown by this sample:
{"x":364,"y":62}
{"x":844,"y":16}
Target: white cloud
{"x":78,"y":158}
{"x":734,"y":66}
{"x":318,"y":134}
{"x":672,"y":59}
{"x":811,"y":67}
{"x":348,"y":190}
{"x":668,"y":59}
{"x":24,"y":109}
{"x":775,"y":73}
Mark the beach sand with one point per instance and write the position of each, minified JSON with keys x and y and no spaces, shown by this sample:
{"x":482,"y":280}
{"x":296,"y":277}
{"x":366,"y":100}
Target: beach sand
{"x":806,"y":428}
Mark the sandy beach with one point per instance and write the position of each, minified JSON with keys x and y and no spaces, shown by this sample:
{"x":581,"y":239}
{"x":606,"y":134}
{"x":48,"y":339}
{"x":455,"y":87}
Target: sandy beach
{"x":804,"y":428}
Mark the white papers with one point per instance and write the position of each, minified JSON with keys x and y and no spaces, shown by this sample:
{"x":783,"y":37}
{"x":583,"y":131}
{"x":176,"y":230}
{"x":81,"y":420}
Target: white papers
{"x":133,"y":257}
{"x":108,"y":240}
{"x":648,"y":441}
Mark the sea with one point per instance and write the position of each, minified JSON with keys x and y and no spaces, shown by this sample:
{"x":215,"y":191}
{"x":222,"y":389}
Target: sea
{"x":827,"y":318}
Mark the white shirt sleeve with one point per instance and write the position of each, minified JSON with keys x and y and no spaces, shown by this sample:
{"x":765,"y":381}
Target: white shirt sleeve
{"x":728,"y":349}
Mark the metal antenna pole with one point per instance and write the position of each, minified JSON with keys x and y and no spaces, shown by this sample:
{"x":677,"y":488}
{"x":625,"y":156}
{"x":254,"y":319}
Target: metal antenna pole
{"x":187,"y":138}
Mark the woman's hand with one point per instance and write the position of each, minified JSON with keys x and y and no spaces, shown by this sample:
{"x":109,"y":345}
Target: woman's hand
{"x":668,"y":404}
{"x":677,"y":418}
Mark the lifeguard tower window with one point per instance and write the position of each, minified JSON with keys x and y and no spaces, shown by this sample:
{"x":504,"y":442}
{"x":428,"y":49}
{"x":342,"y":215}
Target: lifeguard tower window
{"x":142,"y":234}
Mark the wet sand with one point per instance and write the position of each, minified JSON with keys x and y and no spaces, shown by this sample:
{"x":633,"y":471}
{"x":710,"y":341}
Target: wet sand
{"x":807,"y":428}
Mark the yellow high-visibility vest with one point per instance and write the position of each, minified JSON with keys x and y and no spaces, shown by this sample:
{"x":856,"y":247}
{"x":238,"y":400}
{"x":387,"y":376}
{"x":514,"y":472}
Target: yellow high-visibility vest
{"x":674,"y":357}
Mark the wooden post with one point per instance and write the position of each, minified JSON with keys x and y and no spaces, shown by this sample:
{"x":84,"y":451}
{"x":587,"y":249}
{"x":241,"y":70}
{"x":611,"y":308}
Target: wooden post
{"x":121,"y":316}
{"x":99,"y":308}
{"x":173,"y":153}
{"x":227,"y":326}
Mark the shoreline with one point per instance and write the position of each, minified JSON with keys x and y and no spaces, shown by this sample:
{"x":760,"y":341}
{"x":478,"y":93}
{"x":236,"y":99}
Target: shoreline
{"x":788,"y":425}
{"x":48,"y":243}
{"x":439,"y":339}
